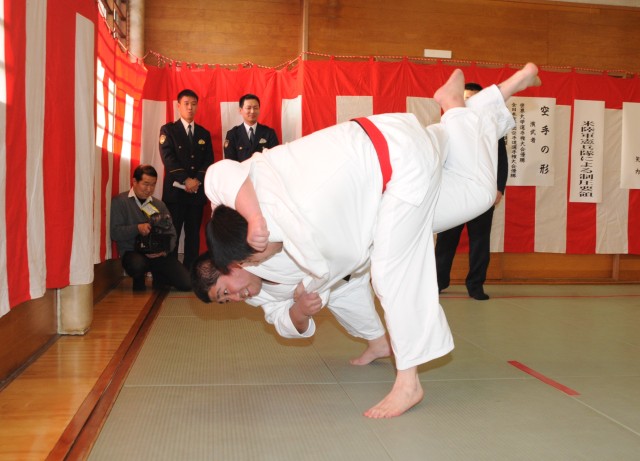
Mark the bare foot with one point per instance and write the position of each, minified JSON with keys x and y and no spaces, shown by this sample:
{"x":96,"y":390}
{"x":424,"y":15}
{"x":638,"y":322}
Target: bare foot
{"x":451,"y":94}
{"x":377,"y":349}
{"x":406,"y":393}
{"x":521,"y":80}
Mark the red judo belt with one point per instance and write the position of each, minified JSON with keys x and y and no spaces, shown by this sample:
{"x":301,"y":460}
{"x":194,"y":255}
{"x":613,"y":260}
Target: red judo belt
{"x":380,"y":145}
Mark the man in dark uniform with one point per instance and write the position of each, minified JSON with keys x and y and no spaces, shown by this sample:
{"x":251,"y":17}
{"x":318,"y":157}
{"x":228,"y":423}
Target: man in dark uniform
{"x":249,"y":137}
{"x":186,"y":152}
{"x":479,"y":230}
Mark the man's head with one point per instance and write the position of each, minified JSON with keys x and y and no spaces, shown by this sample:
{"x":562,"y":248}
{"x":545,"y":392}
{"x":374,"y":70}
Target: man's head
{"x":187,"y":104}
{"x":144,"y":181}
{"x":250,"y":108}
{"x":470,"y":89}
{"x":226,"y":234}
{"x":210,"y":285}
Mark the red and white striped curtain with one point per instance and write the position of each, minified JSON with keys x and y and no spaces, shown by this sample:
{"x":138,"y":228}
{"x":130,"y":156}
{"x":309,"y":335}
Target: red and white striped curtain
{"x":317,"y":94}
{"x":76,"y":116}
{"x":62,"y":154}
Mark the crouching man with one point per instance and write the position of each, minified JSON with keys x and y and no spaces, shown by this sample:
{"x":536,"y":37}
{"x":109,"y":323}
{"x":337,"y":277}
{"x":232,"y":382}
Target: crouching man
{"x":144,"y":234}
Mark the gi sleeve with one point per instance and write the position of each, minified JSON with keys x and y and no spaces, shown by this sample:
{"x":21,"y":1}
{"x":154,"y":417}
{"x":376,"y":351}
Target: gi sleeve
{"x":277,"y":314}
{"x":223,"y":181}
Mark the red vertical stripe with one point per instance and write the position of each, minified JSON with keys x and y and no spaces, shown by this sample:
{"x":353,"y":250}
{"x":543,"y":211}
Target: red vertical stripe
{"x":16,"y":163}
{"x":59,"y":147}
{"x":581,"y":228}
{"x":319,"y":96}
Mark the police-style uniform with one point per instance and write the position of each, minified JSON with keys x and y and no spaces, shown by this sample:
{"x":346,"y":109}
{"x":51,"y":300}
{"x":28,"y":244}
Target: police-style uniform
{"x":184,"y":159}
{"x":238,"y":147}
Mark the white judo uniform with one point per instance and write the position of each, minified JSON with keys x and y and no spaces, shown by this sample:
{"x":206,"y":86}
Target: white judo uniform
{"x":321,"y":196}
{"x":350,"y":302}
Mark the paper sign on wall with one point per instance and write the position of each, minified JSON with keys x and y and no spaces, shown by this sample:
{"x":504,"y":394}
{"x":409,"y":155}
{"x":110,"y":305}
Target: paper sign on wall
{"x":530,"y":145}
{"x":587,"y":151}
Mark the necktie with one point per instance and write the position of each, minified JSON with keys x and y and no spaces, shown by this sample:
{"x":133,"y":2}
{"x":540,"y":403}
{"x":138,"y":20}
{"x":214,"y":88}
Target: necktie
{"x":251,"y":135}
{"x":190,"y":134}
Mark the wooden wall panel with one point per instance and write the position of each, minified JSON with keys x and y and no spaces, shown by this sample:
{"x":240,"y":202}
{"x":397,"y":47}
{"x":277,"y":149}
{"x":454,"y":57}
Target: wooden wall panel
{"x":231,"y":31}
{"x":26,"y":330}
{"x":547,"y":33}
{"x":269,"y":32}
{"x":552,"y":268}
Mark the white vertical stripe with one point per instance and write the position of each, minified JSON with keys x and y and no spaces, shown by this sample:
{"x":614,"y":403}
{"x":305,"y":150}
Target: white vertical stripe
{"x":551,"y":201}
{"x":36,"y":45}
{"x":97,"y":204}
{"x":81,"y":268}
{"x":229,"y":117}
{"x":98,"y":193}
{"x":348,"y":107}
{"x":426,"y":110}
{"x":612,"y":213}
{"x":125,"y":154}
{"x":497,"y":226}
{"x":111,"y":128}
{"x":291,"y":119}
{"x":154,"y":115}
{"x":4,"y":287}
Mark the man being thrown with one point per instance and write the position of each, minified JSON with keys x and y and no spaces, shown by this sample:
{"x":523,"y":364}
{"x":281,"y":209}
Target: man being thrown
{"x":334,"y":203}
{"x":275,"y":286}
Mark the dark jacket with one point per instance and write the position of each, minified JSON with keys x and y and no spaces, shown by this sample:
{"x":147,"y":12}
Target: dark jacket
{"x":503,"y":164}
{"x":183,"y":160}
{"x":237,"y":145}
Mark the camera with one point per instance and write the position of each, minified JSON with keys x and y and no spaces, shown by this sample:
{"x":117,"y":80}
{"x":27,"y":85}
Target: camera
{"x":158,"y":240}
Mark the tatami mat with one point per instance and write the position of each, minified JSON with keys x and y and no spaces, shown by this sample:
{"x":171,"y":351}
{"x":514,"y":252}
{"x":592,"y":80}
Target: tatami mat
{"x":216,"y":383}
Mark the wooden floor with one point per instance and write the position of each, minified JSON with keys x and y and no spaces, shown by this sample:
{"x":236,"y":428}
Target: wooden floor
{"x":46,"y":408}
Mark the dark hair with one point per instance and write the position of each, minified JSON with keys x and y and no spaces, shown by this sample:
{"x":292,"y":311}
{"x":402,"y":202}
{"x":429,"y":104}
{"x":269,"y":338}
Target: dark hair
{"x":187,"y":92}
{"x":226,"y":234}
{"x":472,"y":86}
{"x":203,"y":277}
{"x":144,"y":169}
{"x":248,"y":96}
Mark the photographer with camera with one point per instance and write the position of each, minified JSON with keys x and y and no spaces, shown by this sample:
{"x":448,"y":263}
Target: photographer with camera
{"x":144,"y":234}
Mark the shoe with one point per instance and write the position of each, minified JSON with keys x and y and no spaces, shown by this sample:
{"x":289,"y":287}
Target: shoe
{"x":159,"y":286}
{"x":138,"y":284}
{"x":479,"y":295}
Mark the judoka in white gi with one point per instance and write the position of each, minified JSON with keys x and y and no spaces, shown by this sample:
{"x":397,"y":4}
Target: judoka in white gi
{"x":320,"y":197}
{"x":288,"y":307}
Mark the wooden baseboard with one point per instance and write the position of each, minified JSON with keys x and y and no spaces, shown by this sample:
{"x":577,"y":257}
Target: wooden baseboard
{"x":31,"y":327}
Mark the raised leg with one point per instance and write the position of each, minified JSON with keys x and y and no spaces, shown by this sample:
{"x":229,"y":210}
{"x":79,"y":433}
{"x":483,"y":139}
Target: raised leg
{"x":521,"y":80}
